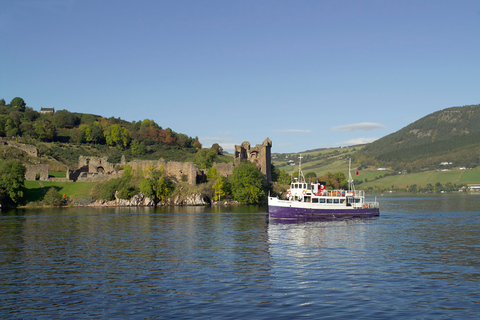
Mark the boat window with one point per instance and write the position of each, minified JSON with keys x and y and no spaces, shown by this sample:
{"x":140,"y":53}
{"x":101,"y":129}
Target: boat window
{"x":309,"y":186}
{"x":322,"y":200}
{"x":314,"y":200}
{"x":329,"y":200}
{"x":336,"y":200}
{"x":357,"y":200}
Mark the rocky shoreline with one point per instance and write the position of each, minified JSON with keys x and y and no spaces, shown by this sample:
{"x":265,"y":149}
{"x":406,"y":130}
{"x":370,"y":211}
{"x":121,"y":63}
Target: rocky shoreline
{"x":140,"y":200}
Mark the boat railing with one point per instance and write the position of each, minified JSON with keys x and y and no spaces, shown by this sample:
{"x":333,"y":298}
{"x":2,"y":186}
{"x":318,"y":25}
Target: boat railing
{"x":371,"y":204}
{"x":339,"y":193}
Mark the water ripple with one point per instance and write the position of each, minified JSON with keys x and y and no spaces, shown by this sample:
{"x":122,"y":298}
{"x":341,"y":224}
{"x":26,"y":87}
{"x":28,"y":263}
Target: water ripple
{"x":233,"y":263}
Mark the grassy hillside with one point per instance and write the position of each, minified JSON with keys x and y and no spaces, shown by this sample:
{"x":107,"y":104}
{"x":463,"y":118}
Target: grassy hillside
{"x":318,"y":161}
{"x":449,"y":135}
{"x":458,"y":177}
{"x":336,"y":160}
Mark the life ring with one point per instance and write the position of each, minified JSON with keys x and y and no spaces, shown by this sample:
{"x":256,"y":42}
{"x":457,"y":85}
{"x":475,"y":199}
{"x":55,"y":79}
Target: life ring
{"x":289,"y":192}
{"x":304,"y":192}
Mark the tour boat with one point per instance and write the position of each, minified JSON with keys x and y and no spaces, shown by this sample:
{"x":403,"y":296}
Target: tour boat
{"x":307,"y":201}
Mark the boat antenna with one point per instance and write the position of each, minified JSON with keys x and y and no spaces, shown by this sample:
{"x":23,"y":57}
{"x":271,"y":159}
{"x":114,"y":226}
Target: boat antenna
{"x":301,"y":178}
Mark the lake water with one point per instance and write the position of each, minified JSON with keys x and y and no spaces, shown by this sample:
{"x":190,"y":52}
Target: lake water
{"x":419,"y":259}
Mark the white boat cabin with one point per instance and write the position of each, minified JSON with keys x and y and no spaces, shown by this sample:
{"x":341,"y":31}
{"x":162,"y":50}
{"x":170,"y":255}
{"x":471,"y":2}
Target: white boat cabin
{"x":316,"y":193}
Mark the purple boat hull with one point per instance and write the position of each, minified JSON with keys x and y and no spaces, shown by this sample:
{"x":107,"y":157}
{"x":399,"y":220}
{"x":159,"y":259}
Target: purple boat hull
{"x":279,"y":212}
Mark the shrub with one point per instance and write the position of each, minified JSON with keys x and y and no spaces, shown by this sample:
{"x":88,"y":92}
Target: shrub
{"x":53,"y":198}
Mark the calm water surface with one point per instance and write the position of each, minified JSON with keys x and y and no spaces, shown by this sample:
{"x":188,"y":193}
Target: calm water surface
{"x":419,"y":259}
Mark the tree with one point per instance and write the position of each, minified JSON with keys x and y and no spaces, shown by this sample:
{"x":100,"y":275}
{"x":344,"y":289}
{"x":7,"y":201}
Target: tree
{"x":10,"y":129}
{"x":310,"y":176}
{"x":335,"y":181}
{"x":205,"y":158}
{"x":157,"y":186}
{"x":12,"y":183}
{"x":220,"y":188}
{"x":65,"y":119}
{"x":246,"y":183}
{"x":284,"y":178}
{"x":94,"y":133}
{"x":18,"y":104}
{"x":44,"y":130}
{"x":275,"y":172}
{"x":218,"y":149}
{"x":138,"y":148}
{"x":53,"y":198}
{"x":116,"y":135}
{"x":77,"y":135}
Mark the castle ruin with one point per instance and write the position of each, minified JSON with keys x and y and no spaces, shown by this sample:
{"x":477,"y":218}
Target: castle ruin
{"x":100,"y":169}
{"x":259,"y":155}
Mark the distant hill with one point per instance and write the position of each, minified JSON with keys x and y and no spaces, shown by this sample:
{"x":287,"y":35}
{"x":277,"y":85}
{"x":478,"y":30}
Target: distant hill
{"x":450,"y":135}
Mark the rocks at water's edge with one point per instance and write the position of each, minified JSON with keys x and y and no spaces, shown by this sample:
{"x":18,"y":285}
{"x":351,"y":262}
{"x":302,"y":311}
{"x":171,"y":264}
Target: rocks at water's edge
{"x":140,"y":200}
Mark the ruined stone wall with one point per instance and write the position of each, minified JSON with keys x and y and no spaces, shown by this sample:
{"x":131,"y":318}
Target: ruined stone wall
{"x":146,"y":165}
{"x":75,"y":173}
{"x":32,"y":171}
{"x":179,"y":171}
{"x":94,"y":177}
{"x":96,"y":164}
{"x":225,"y":169}
{"x":30,"y":150}
{"x":182,"y":170}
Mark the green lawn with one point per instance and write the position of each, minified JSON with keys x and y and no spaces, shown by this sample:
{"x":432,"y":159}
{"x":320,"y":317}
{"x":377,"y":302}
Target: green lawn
{"x":61,"y":174}
{"x":34,"y":192}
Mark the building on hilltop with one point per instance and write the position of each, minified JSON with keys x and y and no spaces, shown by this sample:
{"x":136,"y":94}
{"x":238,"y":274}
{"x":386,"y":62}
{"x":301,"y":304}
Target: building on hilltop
{"x":259,"y":155}
{"x":47,"y":110}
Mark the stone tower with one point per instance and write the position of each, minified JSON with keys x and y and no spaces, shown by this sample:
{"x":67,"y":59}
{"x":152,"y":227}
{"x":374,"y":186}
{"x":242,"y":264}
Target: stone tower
{"x":260,"y":155}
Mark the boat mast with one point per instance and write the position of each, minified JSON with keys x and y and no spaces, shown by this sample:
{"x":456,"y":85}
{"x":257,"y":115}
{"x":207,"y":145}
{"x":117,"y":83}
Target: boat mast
{"x":351,"y":186}
{"x":301,"y":178}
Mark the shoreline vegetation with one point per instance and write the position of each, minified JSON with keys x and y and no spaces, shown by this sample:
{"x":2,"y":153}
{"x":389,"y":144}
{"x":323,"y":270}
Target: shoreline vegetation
{"x":79,"y":194}
{"x":436,"y":154}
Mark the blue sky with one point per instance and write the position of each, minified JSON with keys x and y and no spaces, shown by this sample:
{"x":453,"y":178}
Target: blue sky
{"x":306,"y":74}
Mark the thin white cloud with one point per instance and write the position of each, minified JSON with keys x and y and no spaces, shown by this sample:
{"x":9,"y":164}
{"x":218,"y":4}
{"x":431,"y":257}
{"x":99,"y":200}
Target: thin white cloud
{"x":218,"y":140}
{"x":226,"y":143}
{"x":363,"y":126}
{"x":293,"y":131}
{"x":356,"y":141}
